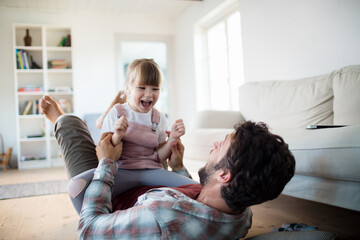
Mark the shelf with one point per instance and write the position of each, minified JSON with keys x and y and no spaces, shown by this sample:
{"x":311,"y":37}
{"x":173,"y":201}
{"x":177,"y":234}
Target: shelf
{"x":31,"y":71}
{"x":47,"y":49}
{"x":35,"y":32}
{"x":35,"y":139}
{"x":30,"y":93}
{"x":30,"y":48}
{"x":60,"y":70}
{"x":65,"y":49}
{"x":60,"y":93}
{"x":33,"y":164}
{"x":32,"y":116}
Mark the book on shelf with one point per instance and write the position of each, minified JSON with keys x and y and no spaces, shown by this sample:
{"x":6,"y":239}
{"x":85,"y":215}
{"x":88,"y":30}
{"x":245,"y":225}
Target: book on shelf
{"x":27,"y":108}
{"x":19,"y":58}
{"x":31,"y":107}
{"x":65,"y":41}
{"x":33,"y":157}
{"x":24,"y":60}
{"x":31,"y":88}
{"x":57,"y":64}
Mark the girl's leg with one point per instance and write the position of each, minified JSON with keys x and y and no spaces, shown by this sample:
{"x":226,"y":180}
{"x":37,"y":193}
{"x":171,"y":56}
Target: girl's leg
{"x":76,"y":144}
{"x":153,"y":177}
{"x":77,"y":187}
{"x":124,"y":180}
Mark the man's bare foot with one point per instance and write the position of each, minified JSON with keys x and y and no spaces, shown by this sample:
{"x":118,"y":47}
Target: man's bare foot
{"x":120,"y":98}
{"x":50,"y":108}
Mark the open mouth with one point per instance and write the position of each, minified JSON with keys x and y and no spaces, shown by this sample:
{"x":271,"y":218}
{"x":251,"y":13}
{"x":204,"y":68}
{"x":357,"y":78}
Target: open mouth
{"x":146,"y":104}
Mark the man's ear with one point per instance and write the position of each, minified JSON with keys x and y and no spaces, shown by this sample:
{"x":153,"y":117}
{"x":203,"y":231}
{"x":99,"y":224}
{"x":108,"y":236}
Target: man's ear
{"x":224,"y":176}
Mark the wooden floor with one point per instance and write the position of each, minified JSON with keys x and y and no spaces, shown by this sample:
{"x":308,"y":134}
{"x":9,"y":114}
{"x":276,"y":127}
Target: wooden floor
{"x":53,"y":217}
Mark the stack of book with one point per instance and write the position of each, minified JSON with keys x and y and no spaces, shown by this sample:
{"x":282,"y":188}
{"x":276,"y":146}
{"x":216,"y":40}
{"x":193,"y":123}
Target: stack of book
{"x":57,"y":64}
{"x":31,"y":88}
{"x":31,"y":107}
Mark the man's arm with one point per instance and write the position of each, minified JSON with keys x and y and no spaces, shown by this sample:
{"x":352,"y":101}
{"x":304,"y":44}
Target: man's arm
{"x":96,"y":217}
{"x":176,"y":159}
{"x":97,"y":220}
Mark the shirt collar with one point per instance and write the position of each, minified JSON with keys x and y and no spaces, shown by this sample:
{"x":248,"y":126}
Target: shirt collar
{"x":190,"y":206}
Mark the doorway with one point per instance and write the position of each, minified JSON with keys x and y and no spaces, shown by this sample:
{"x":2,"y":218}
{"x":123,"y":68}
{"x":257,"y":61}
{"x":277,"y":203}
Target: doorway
{"x":130,"y":48}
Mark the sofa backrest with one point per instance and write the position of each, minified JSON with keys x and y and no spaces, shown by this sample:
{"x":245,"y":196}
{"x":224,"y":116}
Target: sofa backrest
{"x":290,"y":103}
{"x":346,"y":85}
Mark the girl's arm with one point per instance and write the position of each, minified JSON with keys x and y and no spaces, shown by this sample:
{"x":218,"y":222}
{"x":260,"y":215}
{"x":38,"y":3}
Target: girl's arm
{"x":164,"y":149}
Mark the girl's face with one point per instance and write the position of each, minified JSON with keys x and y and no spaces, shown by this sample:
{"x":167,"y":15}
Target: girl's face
{"x":142,"y":98}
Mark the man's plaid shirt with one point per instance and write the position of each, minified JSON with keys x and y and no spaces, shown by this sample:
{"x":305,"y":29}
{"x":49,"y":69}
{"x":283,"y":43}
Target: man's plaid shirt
{"x":161,"y":213}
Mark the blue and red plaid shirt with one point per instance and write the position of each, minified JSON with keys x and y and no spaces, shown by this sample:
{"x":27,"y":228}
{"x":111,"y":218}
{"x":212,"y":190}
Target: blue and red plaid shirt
{"x":160,"y":213}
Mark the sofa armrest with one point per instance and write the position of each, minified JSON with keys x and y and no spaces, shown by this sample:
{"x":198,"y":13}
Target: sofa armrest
{"x":216,"y":119}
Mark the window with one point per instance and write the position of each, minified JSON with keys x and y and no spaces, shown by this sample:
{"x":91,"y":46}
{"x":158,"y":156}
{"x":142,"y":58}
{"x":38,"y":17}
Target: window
{"x":131,"y":47}
{"x":223,"y":65}
{"x":132,"y":50}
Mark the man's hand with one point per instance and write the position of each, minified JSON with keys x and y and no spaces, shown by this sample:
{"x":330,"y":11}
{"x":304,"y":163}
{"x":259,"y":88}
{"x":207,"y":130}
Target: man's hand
{"x":177,"y":154}
{"x":105,"y":149}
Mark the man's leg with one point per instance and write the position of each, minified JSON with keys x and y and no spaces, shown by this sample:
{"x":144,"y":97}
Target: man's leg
{"x":120,"y":98}
{"x":73,"y":138}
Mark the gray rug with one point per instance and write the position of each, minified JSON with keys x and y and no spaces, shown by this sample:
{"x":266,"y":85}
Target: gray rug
{"x":33,"y":189}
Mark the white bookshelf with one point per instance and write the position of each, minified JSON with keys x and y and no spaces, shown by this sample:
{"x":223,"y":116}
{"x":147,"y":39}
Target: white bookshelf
{"x":36,"y":144}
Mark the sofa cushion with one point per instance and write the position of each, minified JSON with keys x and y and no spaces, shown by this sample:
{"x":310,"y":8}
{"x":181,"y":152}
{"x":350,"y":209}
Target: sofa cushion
{"x":346,"y":85}
{"x":332,"y":153}
{"x":198,"y":142}
{"x":288,"y":104}
{"x":216,"y":119}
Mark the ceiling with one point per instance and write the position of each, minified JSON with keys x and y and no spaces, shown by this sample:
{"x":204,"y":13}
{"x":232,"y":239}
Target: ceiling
{"x":161,"y":8}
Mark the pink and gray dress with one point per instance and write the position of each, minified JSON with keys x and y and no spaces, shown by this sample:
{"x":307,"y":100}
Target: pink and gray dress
{"x":138,"y":164}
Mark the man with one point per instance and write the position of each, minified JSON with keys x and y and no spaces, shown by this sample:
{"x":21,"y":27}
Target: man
{"x":249,"y":167}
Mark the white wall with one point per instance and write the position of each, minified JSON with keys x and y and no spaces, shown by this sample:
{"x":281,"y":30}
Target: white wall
{"x":93,"y":41}
{"x":184,"y":58}
{"x":282,"y":39}
{"x":285,"y":39}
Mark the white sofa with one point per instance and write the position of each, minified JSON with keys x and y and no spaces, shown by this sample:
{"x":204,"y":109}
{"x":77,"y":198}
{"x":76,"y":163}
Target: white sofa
{"x":327,"y":160}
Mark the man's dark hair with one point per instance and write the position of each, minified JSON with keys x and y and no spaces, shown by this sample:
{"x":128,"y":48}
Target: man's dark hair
{"x":260,"y":164}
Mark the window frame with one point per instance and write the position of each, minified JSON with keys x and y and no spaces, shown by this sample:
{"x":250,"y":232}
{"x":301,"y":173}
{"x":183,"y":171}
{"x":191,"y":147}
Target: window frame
{"x":203,"y":85}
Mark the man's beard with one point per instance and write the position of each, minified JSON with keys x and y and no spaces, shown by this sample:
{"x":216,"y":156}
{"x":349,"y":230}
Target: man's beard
{"x":204,"y":176}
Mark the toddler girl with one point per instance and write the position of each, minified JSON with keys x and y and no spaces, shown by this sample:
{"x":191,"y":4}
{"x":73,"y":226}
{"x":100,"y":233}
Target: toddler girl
{"x":137,"y":123}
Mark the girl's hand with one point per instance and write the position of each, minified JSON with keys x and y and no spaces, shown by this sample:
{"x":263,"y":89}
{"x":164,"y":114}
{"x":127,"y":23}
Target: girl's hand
{"x":178,"y":129}
{"x":120,"y":127}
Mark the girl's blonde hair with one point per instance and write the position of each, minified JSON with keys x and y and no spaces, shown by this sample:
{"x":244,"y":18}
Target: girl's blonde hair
{"x":144,"y":72}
